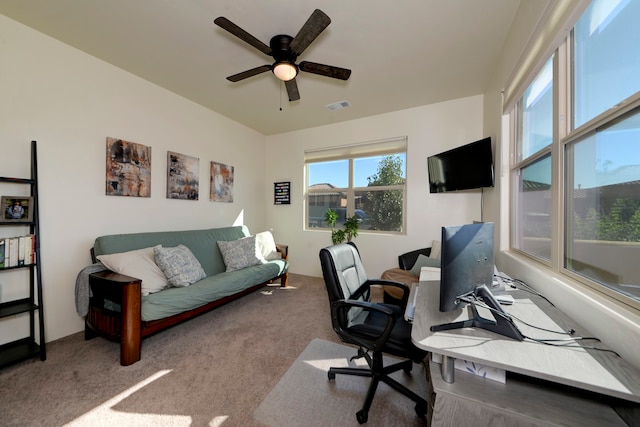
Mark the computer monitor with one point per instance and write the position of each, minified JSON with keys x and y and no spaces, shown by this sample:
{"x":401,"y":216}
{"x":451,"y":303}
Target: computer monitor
{"x":466,"y":273}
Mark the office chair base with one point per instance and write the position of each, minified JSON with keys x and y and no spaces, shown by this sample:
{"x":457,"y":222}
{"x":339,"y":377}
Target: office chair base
{"x":379,"y":373}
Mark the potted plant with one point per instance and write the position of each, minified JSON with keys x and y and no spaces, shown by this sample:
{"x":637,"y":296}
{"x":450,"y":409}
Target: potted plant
{"x":338,"y":235}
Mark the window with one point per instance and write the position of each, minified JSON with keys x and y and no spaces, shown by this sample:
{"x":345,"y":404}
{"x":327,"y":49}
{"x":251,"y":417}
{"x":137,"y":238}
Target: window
{"x":365,"y":180}
{"x":607,"y":62}
{"x":584,"y":175}
{"x":534,"y":126}
{"x":603,"y":216}
{"x":535,"y":114}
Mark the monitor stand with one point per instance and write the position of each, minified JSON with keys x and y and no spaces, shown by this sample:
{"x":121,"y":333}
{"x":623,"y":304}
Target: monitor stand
{"x":501,"y":324}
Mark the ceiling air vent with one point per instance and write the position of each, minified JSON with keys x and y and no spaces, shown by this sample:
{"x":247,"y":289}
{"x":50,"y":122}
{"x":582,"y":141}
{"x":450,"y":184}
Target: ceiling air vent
{"x":337,"y":105}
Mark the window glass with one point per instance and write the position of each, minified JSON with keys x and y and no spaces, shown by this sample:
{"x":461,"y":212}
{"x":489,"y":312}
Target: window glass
{"x":603,"y":216}
{"x":381,"y":210}
{"x":323,"y":198}
{"x":533,"y":209}
{"x":606,"y":58}
{"x":535,"y":128}
{"x":379,"y":170}
{"x":334,"y":173}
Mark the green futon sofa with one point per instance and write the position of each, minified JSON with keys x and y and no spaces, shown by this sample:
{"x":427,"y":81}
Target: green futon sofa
{"x":121,"y":309}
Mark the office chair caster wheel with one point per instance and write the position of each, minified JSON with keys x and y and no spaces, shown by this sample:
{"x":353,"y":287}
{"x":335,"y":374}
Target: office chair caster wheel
{"x":362,"y":417}
{"x":331,"y":375}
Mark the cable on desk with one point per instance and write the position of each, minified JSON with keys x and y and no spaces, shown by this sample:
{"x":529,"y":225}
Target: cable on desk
{"x":554,"y":344}
{"x":512,"y":283}
{"x":551,"y":341}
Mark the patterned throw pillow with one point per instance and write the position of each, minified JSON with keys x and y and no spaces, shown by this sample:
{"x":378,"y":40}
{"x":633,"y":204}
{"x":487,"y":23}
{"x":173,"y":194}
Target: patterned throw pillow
{"x":179,"y":265}
{"x":241,"y":253}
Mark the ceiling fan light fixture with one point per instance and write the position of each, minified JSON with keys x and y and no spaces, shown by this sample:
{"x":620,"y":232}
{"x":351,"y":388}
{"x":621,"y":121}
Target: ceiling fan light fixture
{"x":285,"y":71}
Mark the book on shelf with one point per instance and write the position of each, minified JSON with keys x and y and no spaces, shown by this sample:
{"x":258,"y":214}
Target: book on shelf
{"x":13,"y":251}
{"x":17,"y":251}
{"x":22,"y":241}
{"x":29,"y":249}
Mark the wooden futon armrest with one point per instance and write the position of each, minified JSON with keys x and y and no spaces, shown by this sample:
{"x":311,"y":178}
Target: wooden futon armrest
{"x":284,"y":250}
{"x":125,"y":291}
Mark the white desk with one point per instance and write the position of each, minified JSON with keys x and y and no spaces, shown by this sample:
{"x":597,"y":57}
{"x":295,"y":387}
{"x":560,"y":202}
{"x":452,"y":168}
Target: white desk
{"x":596,"y":371}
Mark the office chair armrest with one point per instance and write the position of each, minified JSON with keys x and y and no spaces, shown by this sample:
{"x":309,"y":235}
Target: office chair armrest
{"x":379,"y":341}
{"x":405,"y":289}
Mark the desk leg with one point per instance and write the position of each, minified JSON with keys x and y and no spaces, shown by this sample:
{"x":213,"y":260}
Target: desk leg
{"x":447,"y":369}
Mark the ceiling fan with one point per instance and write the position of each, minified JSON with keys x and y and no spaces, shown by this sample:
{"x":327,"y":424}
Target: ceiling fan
{"x":285,"y":50}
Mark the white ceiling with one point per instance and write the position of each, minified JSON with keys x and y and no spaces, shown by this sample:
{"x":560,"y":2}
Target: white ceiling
{"x":402,"y":54}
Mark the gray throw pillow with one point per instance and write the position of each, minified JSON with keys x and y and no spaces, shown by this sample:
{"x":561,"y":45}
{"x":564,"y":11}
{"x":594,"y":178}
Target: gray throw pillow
{"x":179,"y":264}
{"x":424,"y":261}
{"x":241,"y":253}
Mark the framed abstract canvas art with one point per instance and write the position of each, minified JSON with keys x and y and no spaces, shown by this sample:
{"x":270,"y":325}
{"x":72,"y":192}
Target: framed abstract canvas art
{"x":128,"y":169}
{"x":182,"y":176}
{"x":221,"y":183}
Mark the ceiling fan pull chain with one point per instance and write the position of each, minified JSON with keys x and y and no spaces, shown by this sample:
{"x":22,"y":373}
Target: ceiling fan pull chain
{"x":281,"y":84}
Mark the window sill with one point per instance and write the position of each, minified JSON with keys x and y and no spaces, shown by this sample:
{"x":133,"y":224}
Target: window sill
{"x":616,"y":324}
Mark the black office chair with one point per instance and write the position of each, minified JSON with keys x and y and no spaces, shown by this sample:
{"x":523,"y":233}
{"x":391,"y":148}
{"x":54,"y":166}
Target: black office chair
{"x":375,"y":328}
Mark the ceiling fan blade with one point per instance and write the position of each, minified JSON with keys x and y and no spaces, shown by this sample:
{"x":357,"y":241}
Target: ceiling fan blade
{"x":225,"y":24}
{"x":249,"y":73}
{"x":311,"y":29}
{"x":292,"y":90}
{"x":325,"y":70}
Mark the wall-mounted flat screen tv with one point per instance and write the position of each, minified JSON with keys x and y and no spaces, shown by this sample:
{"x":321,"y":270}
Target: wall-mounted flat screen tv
{"x":463,"y":168}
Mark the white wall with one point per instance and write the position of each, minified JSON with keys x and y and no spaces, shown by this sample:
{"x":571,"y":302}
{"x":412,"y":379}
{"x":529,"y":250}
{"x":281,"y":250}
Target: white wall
{"x":70,"y":102}
{"x":430,"y":129}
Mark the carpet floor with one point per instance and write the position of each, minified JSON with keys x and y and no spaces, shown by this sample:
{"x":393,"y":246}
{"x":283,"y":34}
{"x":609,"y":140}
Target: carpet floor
{"x":213,"y":370}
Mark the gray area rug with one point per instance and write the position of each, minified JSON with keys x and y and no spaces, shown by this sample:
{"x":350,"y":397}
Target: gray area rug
{"x":305,"y":397}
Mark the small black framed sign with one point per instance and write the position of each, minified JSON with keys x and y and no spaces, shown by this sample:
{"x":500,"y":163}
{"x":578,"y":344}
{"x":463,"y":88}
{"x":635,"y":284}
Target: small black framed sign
{"x":282,"y":193}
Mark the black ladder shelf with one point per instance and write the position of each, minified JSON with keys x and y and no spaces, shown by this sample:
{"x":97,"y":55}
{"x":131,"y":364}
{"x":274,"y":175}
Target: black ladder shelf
{"x":27,"y":347}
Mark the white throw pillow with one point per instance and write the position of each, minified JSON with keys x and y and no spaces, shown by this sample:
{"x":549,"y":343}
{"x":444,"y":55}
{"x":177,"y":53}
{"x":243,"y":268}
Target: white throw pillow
{"x":140,"y":264}
{"x":241,"y":253}
{"x":435,"y":249}
{"x":267,"y":245}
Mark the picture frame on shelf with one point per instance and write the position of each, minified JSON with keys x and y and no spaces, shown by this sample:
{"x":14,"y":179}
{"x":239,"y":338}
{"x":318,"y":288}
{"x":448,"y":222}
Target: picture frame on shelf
{"x":16,"y":209}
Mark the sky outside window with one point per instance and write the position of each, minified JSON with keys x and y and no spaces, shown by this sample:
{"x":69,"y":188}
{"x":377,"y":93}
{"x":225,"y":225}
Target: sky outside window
{"x":336,"y":172}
